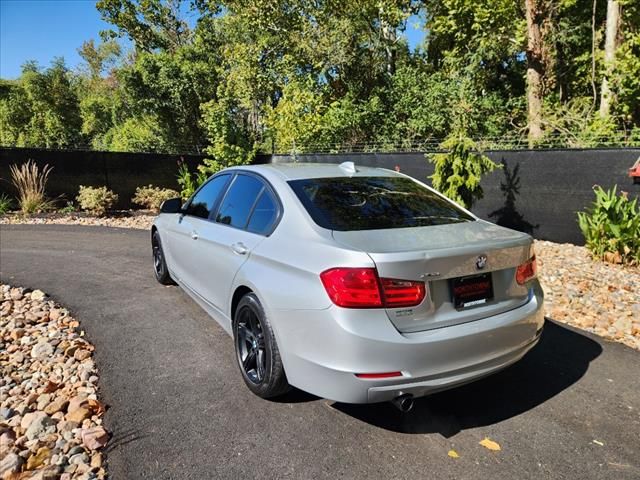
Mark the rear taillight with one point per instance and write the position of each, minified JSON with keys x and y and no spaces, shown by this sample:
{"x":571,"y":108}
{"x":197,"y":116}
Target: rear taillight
{"x":352,"y":287}
{"x":526,"y":271}
{"x":361,"y":288}
{"x":402,"y":293}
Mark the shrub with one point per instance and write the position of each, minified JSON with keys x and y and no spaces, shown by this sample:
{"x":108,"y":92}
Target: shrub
{"x":459,"y":171}
{"x":189,"y":182}
{"x":68,"y":208}
{"x":30,"y":182}
{"x":96,"y":200}
{"x":611,"y":227}
{"x":5,"y":203}
{"x":152,"y":197}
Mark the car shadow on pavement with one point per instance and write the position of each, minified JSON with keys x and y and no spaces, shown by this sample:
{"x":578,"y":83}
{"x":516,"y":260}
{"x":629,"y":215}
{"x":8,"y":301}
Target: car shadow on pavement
{"x":295,"y":396}
{"x":559,"y":360}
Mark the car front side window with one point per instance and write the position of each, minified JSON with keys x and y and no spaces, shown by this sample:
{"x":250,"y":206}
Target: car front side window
{"x":204,"y":201}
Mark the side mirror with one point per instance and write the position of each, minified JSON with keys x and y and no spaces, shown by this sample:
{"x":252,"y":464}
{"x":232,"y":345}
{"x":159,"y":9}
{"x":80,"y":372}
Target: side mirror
{"x":173,"y":205}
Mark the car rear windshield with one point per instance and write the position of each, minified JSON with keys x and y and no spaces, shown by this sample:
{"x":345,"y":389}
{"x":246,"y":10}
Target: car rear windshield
{"x":368,"y":203}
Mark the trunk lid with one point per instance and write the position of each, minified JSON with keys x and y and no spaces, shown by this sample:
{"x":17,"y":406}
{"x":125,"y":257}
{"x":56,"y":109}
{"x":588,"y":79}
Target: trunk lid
{"x":438,"y":254}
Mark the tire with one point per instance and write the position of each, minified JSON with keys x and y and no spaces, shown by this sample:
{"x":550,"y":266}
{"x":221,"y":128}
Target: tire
{"x":159,"y":263}
{"x":256,"y":349}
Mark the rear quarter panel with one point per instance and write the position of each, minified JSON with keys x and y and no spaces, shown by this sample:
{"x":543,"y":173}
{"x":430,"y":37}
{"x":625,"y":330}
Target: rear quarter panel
{"x":284,"y":270}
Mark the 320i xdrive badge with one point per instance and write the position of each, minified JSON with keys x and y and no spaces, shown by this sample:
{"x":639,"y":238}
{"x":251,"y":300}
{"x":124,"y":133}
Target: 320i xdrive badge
{"x":355,"y":284}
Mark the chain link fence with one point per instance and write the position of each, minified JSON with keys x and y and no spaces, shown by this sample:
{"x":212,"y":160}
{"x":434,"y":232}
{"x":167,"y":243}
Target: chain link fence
{"x":571,"y":140}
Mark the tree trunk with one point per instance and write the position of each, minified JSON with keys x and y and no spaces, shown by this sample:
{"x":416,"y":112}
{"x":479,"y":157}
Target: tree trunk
{"x":611,"y":43}
{"x":535,"y":69}
{"x":389,"y":38}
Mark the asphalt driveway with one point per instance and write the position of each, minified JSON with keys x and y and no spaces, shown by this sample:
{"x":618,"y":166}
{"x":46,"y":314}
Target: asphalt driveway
{"x":179,"y":409}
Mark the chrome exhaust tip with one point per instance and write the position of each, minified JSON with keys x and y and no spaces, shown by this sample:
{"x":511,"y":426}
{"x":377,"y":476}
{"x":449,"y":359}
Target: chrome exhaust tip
{"x":404,"y":403}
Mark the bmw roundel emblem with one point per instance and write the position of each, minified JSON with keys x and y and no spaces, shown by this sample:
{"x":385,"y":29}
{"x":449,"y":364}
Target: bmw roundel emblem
{"x":481,"y":262}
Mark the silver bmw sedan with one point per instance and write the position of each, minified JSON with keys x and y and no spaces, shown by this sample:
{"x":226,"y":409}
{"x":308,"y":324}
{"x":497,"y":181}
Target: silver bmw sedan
{"x":352,"y":283}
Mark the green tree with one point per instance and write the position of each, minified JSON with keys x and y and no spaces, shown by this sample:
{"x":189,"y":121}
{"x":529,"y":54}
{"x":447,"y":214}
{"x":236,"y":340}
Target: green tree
{"x":625,"y":73}
{"x":137,"y":134}
{"x":172,"y":87}
{"x":231,"y":142}
{"x":250,"y":76}
{"x":97,"y":89}
{"x":296,"y":120}
{"x":41,"y":109}
{"x":459,"y":171}
{"x":150,"y":24}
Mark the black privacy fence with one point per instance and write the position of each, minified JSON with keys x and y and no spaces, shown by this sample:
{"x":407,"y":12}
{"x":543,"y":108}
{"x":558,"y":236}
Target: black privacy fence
{"x":536,"y":191}
{"x":120,"y":172}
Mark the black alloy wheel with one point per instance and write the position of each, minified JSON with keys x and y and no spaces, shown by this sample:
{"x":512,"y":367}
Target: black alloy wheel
{"x":256,"y":349}
{"x":250,"y":346}
{"x":159,"y":264}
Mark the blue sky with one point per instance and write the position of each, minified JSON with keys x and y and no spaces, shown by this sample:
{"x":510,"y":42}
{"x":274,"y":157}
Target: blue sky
{"x":43,"y":29}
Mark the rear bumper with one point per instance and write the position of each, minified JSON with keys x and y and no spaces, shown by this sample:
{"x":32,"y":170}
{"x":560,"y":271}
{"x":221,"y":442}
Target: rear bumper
{"x":322,"y":350}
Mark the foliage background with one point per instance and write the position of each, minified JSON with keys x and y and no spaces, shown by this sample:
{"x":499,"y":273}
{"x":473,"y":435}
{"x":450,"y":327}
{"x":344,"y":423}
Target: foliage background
{"x":260,"y":76}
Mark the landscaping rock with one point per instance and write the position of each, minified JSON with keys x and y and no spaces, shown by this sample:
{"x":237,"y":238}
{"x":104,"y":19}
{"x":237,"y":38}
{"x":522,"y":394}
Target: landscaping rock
{"x":43,"y":401}
{"x":76,"y":402}
{"x":78,"y":415}
{"x":6,"y":442}
{"x":49,"y":410}
{"x":81,"y":355}
{"x":96,"y":460}
{"x":58,"y":405}
{"x":29,"y":418}
{"x":78,"y":458}
{"x":67,"y":426}
{"x":587,"y":293}
{"x":94,"y":438}
{"x":41,"y":350}
{"x":11,"y":463}
{"x":37,"y":295}
{"x":130,"y":219}
{"x":39,"y":458}
{"x":39,"y":426}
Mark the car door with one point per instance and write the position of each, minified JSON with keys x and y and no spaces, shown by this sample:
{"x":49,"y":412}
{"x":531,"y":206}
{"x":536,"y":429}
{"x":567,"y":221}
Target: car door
{"x":245,"y":215}
{"x":182,"y":230}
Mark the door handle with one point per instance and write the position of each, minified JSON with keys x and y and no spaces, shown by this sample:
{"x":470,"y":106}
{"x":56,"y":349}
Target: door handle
{"x":194,"y":235}
{"x":239,"y":248}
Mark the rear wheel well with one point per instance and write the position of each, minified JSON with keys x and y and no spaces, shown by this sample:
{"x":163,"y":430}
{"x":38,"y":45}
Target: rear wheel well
{"x":240,"y":292}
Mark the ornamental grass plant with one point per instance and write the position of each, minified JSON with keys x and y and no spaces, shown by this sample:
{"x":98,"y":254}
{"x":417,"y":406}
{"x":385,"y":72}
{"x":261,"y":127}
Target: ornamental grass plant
{"x":31,"y":182}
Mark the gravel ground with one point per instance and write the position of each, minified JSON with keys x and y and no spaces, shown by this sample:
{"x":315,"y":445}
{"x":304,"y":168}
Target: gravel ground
{"x":595,"y":296}
{"x":599,"y":297}
{"x":50,"y":417}
{"x":141,"y":219}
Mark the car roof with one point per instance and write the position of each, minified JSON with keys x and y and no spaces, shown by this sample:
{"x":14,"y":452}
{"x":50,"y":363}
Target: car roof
{"x":297,"y":171}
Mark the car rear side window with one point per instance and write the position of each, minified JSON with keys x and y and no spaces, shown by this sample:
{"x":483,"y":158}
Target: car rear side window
{"x":368,"y":203}
{"x":239,"y":200}
{"x":264,"y":214}
{"x":205,"y":199}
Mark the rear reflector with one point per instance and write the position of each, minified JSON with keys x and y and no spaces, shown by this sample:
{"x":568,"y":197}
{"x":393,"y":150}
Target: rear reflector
{"x":379,"y":375}
{"x":526,"y":271}
{"x":361,"y":288}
